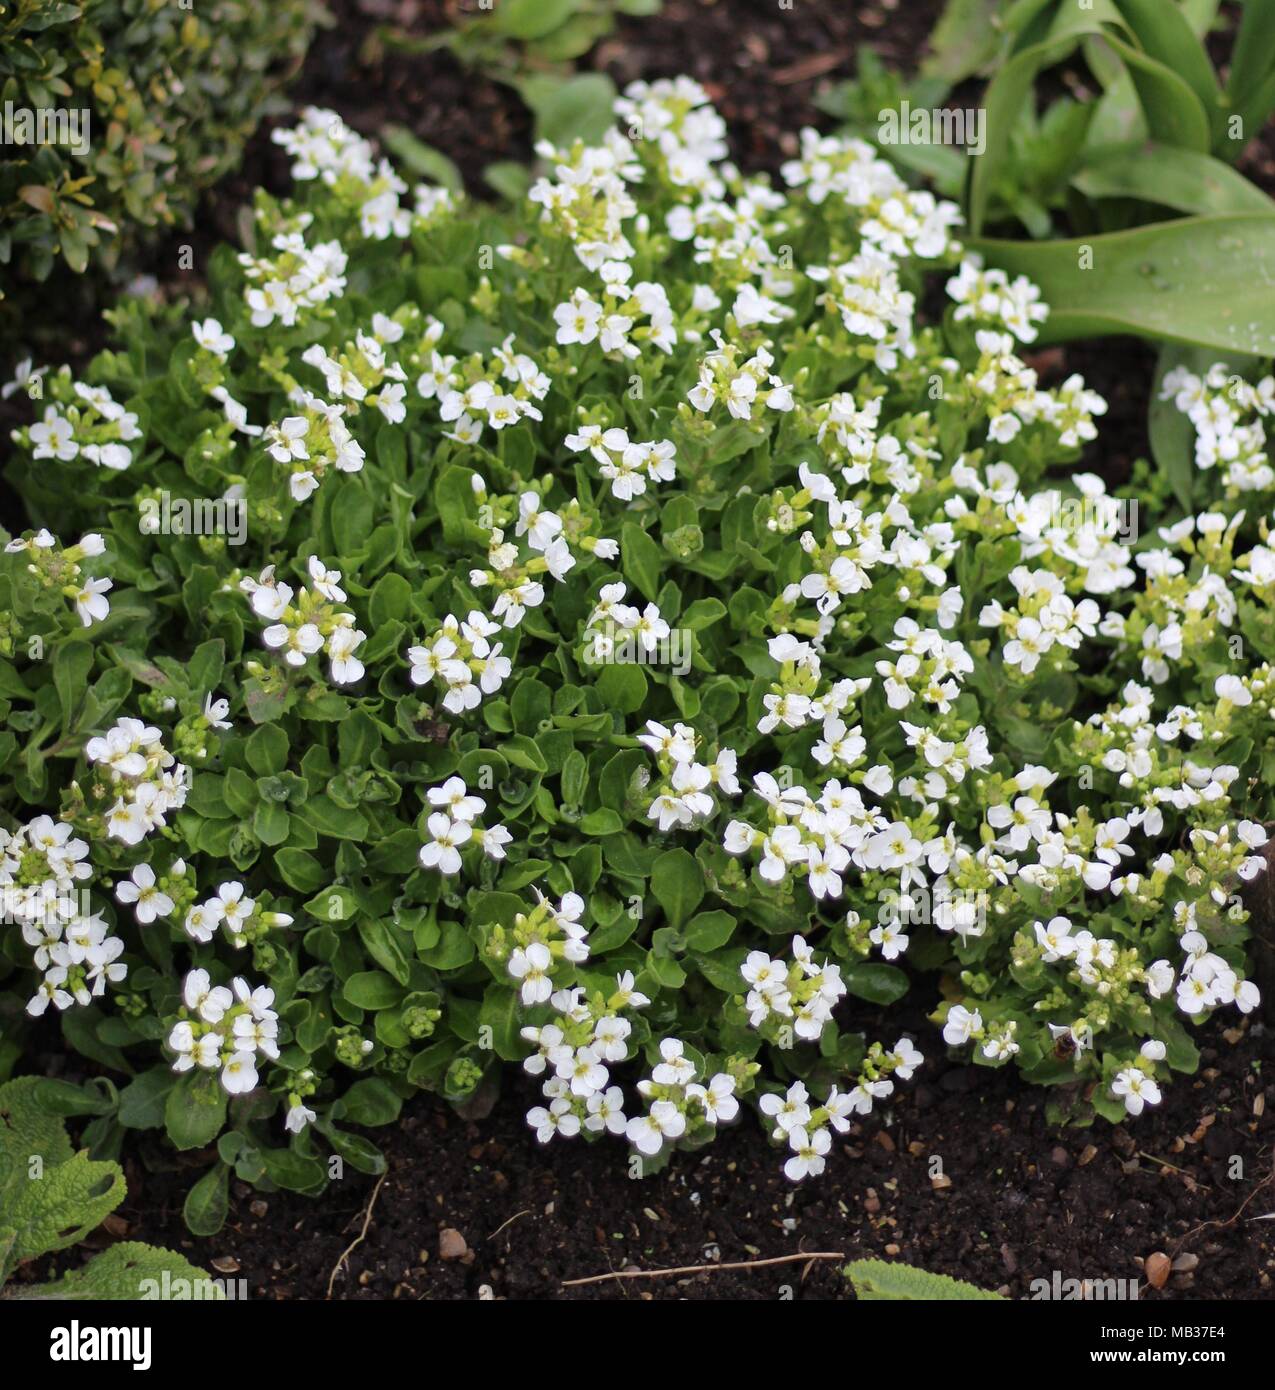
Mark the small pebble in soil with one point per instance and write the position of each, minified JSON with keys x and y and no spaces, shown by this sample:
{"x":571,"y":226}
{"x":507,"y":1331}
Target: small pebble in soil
{"x":1156,"y":1267}
{"x":451,"y":1244}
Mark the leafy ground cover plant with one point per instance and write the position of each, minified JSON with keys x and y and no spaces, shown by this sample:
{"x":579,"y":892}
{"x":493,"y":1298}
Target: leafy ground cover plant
{"x":600,"y":638}
{"x":118,"y":112}
{"x":52,"y":1196}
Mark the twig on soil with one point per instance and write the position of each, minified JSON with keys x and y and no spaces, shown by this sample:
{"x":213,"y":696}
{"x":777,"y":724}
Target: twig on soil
{"x":525,"y":1212}
{"x":1230,"y":1220}
{"x":1164,"y":1163}
{"x":702,"y":1269}
{"x":358,"y":1239}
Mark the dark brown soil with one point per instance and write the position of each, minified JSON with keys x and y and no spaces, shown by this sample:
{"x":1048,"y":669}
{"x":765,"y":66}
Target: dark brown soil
{"x":1013,"y":1198}
{"x":963,"y":1175}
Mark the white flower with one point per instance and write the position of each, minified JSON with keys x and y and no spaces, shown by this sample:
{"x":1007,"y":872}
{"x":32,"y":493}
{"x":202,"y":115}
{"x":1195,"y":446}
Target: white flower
{"x":532,"y":965}
{"x":443,"y":850}
{"x":1136,"y":1088}
{"x":961,"y":1025}
{"x":648,"y":1132}
{"x":140,"y":889}
{"x":809,"y":1153}
{"x":210,"y":335}
{"x":298,"y":1117}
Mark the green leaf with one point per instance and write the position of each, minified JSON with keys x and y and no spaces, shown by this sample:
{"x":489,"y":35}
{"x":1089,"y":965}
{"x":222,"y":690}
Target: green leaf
{"x":388,"y":947}
{"x":709,"y":931}
{"x":72,"y":662}
{"x":883,"y":1281}
{"x":876,"y":982}
{"x":50,"y":1197}
{"x":143,"y":1100}
{"x":678,"y":884}
{"x":195,"y":1109}
{"x":1248,"y":85}
{"x":524,"y":752}
{"x":963,"y":41}
{"x":1206,"y":281}
{"x":1175,"y":114}
{"x":508,"y":178}
{"x":501,"y":1014}
{"x":623,"y":687}
{"x":332,"y":820}
{"x":129,"y":1271}
{"x":577,"y":109}
{"x":208,"y":1202}
{"x":266,"y":749}
{"x":206,"y":665}
{"x":373,"y":989}
{"x":300,"y":870}
{"x":292,"y":1170}
{"x":372,"y":1102}
{"x":1165,"y":35}
{"x":530,"y":19}
{"x":334,"y":904}
{"x":641,"y":559}
{"x":422,"y":159}
{"x":391,"y":600}
{"x":1173,"y":178}
{"x":1003,"y":101}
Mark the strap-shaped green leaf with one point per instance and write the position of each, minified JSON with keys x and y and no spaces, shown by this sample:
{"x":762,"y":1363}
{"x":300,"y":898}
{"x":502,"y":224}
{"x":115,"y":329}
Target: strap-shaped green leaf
{"x":1208,"y":281}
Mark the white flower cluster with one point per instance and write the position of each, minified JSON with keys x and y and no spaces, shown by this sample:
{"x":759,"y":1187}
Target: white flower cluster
{"x":614,"y":322}
{"x":58,"y":567}
{"x":312,"y":442}
{"x":807,"y":1131}
{"x":990,"y":299}
{"x":478,"y":393}
{"x":288,"y":287}
{"x":145,"y":779}
{"x":225,"y":1029}
{"x":588,"y":201}
{"x":738,"y":385}
{"x":96,"y":428}
{"x":624,"y":463}
{"x":1043,"y":617}
{"x":866,"y":293}
{"x":544,"y":936}
{"x":820,"y":836}
{"x":40,"y":864}
{"x":678,"y":1094}
{"x":312,"y":624}
{"x":229,"y":910}
{"x":1228,"y":413}
{"x":540,"y":547}
{"x":802,"y":994}
{"x":1008,"y":390}
{"x":573,"y":1053}
{"x":462,"y":660}
{"x":676,"y":115}
{"x":682,"y":793}
{"x":890,"y":215}
{"x":323,"y":147}
{"x":362,"y":373}
{"x":612,"y":624}
{"x":453,"y":824}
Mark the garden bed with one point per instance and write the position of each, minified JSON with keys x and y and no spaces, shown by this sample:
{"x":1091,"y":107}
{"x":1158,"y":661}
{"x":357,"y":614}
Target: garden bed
{"x":1022,"y":1198}
{"x":478,"y":1209}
